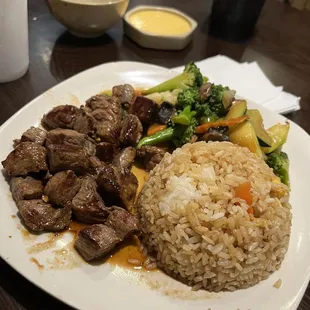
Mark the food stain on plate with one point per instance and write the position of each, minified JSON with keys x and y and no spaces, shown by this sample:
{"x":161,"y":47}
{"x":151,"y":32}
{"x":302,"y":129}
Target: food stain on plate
{"x":64,"y":258}
{"x":45,"y":245}
{"x":26,"y":235}
{"x":36,"y":262}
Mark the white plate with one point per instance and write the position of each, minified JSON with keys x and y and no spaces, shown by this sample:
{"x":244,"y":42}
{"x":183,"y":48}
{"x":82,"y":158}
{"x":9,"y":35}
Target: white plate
{"x":108,"y":287}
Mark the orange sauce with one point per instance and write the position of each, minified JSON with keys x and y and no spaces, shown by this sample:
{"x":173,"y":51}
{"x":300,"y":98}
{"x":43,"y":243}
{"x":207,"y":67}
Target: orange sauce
{"x":141,"y":175}
{"x":75,"y":227}
{"x":126,"y":251}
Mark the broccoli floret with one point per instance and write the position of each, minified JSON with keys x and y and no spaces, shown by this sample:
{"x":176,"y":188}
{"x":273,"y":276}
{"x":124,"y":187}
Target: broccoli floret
{"x":279,"y":162}
{"x":188,"y":97}
{"x":191,"y":77}
{"x":191,"y":67}
{"x":184,"y":117}
{"x":220,"y":99}
{"x":204,"y":112}
{"x":184,"y":134}
{"x":204,"y":79}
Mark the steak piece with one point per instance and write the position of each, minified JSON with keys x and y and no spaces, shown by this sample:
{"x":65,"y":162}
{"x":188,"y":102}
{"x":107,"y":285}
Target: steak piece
{"x":145,"y":109}
{"x":132,"y":129}
{"x":151,"y":156}
{"x":95,"y":167}
{"x":87,"y":205}
{"x":67,"y":157}
{"x":62,"y":187}
{"x":106,"y":151}
{"x":125,"y":157}
{"x":68,"y":150}
{"x":62,"y":116}
{"x":71,"y":138}
{"x":39,"y":216}
{"x":25,"y":158}
{"x":103,"y":102}
{"x":84,"y":123}
{"x":26,"y":188}
{"x":96,"y":241}
{"x":123,"y":222}
{"x":125,"y":93}
{"x":33,"y":134}
{"x":108,"y":125}
{"x":117,"y":186}
{"x":107,"y":112}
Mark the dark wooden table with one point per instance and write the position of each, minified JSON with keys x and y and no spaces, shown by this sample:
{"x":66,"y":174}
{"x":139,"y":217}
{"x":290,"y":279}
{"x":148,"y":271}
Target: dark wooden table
{"x":281,"y":46}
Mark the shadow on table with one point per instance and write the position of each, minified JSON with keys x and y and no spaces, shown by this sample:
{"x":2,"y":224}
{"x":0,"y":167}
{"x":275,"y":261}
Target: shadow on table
{"x":24,"y":292}
{"x":71,"y":55}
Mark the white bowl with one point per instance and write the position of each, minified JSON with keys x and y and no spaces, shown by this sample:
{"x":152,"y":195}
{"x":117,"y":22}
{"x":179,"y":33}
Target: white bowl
{"x":88,"y":18}
{"x":151,"y":40}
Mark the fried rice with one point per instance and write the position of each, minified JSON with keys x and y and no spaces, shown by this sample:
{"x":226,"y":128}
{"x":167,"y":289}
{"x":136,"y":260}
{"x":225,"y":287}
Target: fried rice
{"x":200,"y":232}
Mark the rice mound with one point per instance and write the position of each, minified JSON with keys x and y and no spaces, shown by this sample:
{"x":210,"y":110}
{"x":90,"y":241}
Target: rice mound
{"x":200,"y":232}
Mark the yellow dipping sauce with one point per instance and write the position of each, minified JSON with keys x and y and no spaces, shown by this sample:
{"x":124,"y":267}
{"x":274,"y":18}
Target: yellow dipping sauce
{"x":160,"y":22}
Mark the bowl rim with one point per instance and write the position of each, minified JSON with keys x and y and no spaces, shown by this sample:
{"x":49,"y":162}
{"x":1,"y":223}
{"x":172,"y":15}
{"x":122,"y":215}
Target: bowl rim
{"x":192,"y":22}
{"x":111,"y":2}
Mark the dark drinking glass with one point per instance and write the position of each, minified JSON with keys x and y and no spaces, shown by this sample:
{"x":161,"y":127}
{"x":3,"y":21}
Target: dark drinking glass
{"x":234,"y":20}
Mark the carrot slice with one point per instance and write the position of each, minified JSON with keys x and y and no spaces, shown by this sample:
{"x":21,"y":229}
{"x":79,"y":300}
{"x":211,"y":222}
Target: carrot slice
{"x":243,"y":191}
{"x":251,"y":210}
{"x":155,"y":128}
{"x":230,"y":122}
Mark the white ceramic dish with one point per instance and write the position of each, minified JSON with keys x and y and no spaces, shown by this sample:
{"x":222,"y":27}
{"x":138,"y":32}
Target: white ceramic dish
{"x":106,"y":287}
{"x":151,"y":40}
{"x":88,"y":18}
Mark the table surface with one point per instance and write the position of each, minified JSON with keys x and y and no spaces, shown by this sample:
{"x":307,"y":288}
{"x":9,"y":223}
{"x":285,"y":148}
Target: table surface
{"x":281,"y":46}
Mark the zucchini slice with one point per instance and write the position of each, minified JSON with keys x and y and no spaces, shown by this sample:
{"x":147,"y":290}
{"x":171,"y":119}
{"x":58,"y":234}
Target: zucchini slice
{"x":244,"y":135}
{"x":278,"y":134}
{"x":257,"y":121}
{"x":238,"y":108}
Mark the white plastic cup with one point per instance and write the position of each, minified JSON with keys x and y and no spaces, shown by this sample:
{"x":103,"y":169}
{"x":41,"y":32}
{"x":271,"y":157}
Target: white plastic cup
{"x":14,"y":48}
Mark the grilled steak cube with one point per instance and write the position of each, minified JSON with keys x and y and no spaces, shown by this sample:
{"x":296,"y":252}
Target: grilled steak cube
{"x":95,"y":165}
{"x":108,"y":125}
{"x":103,"y":101}
{"x":107,"y":112}
{"x":39,"y":216}
{"x":62,"y":187}
{"x":145,"y":109}
{"x":33,"y":134}
{"x":117,"y":185}
{"x":125,"y":93}
{"x":62,"y":116}
{"x":87,"y":205}
{"x":96,"y":241}
{"x":123,"y":222}
{"x":68,"y":150}
{"x":125,"y":157}
{"x":84,"y":122}
{"x":69,"y":137}
{"x":25,"y":158}
{"x":132,"y":129}
{"x":95,"y":162}
{"x":26,"y":188}
{"x":151,"y":156}
{"x":67,"y":157}
{"x":106,"y":151}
